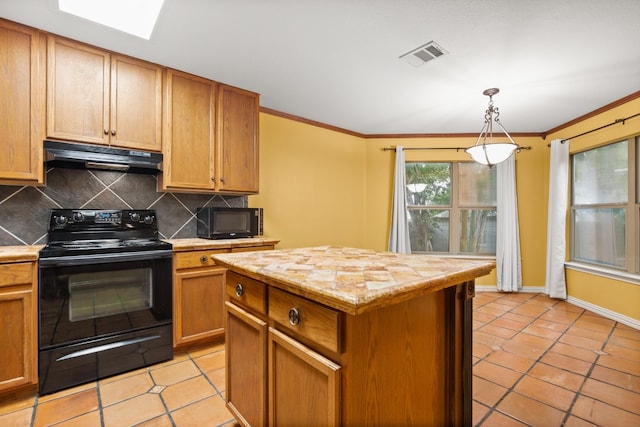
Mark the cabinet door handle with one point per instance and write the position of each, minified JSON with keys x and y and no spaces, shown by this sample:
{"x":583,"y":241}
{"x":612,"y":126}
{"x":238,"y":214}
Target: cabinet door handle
{"x":239,"y":290}
{"x":294,"y":316}
{"x":113,"y":132}
{"x":203,"y":259}
{"x":106,"y":131}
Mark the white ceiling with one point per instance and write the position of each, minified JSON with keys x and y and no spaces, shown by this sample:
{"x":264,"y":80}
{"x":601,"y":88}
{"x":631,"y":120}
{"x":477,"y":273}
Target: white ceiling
{"x":337,"y":61}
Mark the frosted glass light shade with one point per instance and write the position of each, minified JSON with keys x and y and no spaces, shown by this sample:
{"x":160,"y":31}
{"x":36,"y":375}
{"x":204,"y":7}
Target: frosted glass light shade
{"x":493,"y":153}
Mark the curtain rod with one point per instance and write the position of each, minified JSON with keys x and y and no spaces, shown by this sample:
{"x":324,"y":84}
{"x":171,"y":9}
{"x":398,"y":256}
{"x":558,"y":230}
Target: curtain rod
{"x":615,"y":122}
{"x":444,"y":148}
{"x":424,"y":148}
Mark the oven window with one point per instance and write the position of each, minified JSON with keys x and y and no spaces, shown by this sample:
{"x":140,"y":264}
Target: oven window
{"x":105,"y":293}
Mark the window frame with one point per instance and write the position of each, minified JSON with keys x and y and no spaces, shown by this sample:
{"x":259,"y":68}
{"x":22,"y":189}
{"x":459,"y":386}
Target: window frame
{"x":454,"y":209}
{"x":632,"y":216}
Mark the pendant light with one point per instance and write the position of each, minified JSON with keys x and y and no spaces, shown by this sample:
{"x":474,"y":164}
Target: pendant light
{"x":485,"y":150}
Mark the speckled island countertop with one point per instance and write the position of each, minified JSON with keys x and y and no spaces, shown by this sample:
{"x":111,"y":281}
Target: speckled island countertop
{"x":353,"y":280}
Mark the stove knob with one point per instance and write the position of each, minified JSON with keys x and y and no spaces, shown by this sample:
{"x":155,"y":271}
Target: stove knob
{"x":148,"y":219}
{"x":78,"y":217}
{"x":61,"y":220}
{"x":135,"y":216}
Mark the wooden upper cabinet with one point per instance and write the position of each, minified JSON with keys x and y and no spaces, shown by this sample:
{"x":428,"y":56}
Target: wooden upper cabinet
{"x":188,"y":133}
{"x":102,"y":98}
{"x":22,"y":104}
{"x":136,"y":104}
{"x":237,"y":140}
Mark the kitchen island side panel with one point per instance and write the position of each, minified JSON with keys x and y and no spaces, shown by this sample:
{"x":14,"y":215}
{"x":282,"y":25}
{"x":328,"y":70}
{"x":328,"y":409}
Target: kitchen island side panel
{"x":403,"y":363}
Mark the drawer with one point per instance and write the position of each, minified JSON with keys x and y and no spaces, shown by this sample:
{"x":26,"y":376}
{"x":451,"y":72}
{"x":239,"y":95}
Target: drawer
{"x":247,"y":292}
{"x":20,"y":273}
{"x":315,"y":322}
{"x":193,"y":259}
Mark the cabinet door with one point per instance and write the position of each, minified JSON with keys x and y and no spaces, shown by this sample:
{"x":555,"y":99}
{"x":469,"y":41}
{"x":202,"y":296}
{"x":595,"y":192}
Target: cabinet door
{"x":304,"y":387}
{"x":237,"y":140}
{"x":246,"y":366}
{"x":188,"y":132}
{"x":22,"y":104}
{"x":136,"y":104}
{"x":198,"y":305}
{"x":18,"y":314}
{"x":77,"y":92}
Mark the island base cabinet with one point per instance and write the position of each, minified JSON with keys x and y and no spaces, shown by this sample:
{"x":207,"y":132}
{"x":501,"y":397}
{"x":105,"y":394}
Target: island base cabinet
{"x":407,"y":363}
{"x":246,"y":361}
{"x":304,"y":387}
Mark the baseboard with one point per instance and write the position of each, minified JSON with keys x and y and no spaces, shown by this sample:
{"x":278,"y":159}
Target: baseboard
{"x":609,"y":314}
{"x":526,"y":289}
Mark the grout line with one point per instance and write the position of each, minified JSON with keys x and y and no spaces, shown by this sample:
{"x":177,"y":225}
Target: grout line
{"x":510,"y":390}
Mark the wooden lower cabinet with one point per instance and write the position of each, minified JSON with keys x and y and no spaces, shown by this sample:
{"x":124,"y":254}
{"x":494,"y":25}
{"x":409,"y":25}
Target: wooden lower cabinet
{"x":299,"y":374}
{"x":18,"y":317}
{"x":200,"y":295}
{"x":246,"y":366}
{"x":407,"y":363}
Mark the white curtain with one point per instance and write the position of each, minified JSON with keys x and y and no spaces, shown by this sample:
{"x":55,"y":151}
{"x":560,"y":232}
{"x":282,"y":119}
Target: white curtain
{"x":508,"y":266}
{"x":399,"y":234}
{"x":555,"y":284}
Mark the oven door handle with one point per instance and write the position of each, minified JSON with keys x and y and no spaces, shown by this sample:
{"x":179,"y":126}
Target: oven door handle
{"x":74,"y":260}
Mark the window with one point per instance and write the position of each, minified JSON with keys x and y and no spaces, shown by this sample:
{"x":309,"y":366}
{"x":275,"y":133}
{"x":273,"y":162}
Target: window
{"x":602,"y":204}
{"x":452,"y":207}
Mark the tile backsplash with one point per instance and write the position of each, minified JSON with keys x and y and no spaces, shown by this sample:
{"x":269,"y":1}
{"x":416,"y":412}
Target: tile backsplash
{"x":24,"y":211}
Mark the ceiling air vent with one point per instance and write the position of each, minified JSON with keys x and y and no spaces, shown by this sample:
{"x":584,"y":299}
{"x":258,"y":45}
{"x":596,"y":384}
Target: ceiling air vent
{"x":423,"y":54}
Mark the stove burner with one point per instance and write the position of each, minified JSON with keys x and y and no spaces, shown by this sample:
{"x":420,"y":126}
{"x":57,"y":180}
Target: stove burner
{"x":82,"y":232}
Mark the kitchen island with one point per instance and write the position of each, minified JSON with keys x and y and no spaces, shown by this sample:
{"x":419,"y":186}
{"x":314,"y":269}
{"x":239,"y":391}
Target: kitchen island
{"x":342,"y":336}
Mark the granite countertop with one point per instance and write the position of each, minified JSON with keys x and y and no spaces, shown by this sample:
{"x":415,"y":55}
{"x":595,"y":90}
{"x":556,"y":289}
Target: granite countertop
{"x":353,"y":280}
{"x":195,"y":244}
{"x":19,"y":253}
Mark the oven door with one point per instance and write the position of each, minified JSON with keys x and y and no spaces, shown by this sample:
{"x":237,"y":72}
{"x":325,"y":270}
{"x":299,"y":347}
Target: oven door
{"x":97,"y":296}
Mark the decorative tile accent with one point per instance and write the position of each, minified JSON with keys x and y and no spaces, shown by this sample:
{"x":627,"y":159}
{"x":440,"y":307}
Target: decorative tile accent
{"x":24,"y":211}
{"x":157,"y":389}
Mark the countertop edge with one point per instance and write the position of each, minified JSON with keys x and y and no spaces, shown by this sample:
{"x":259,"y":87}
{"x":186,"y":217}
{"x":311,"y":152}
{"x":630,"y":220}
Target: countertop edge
{"x":24,"y":253}
{"x":375,"y":299}
{"x":198,"y":244}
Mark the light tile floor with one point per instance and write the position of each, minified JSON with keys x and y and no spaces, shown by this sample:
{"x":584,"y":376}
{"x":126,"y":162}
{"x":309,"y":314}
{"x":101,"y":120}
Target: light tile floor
{"x":536,"y":362}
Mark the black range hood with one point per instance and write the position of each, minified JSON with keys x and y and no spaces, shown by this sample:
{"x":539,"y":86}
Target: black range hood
{"x":86,"y":156}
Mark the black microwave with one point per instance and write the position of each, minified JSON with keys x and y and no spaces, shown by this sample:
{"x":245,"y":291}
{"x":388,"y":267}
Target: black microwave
{"x":229,"y":223}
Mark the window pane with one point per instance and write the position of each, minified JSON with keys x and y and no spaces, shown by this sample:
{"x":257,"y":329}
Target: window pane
{"x":428,"y":184}
{"x":429,"y":230}
{"x":600,"y":175}
{"x":477,"y":185}
{"x":478,"y":231}
{"x":599,"y":236}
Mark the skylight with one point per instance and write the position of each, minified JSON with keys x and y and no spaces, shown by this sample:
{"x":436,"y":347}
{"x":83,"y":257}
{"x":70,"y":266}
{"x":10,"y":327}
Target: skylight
{"x":136,"y":17}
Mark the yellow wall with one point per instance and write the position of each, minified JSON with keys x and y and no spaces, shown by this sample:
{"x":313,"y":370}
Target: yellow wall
{"x":615,"y":295}
{"x":311,"y":184}
{"x":319,"y":187}
{"x":531,"y":209}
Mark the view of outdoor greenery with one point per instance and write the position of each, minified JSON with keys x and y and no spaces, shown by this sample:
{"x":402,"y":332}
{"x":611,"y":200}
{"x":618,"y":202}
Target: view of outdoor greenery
{"x":451,"y":207}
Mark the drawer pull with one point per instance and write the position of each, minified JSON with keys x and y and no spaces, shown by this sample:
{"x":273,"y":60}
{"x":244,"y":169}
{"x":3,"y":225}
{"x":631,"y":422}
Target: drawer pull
{"x":203,"y":259}
{"x":239,"y":290}
{"x":294,"y":316}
